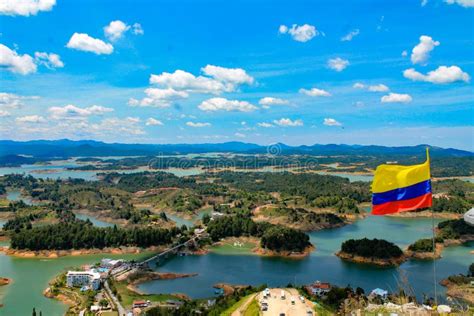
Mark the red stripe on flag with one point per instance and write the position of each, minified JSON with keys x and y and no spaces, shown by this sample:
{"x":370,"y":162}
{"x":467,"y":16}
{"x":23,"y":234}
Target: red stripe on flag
{"x":422,"y":201}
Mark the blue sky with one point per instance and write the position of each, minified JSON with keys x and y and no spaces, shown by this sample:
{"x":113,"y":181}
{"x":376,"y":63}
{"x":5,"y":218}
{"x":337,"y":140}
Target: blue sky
{"x":305,"y":72}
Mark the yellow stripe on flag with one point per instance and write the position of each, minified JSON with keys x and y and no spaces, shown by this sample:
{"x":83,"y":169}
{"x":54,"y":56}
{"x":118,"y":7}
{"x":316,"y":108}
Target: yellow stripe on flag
{"x":391,"y":177}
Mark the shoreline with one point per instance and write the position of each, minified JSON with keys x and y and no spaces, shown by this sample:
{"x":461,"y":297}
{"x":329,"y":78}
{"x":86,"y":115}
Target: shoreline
{"x":425,"y":214}
{"x":5,"y":281}
{"x":373,"y":261}
{"x":425,"y":255}
{"x":52,"y":254}
{"x":460,"y":291}
{"x":256,"y":250}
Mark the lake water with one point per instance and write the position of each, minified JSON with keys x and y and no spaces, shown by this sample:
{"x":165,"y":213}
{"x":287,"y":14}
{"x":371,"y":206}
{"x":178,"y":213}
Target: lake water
{"x":15,"y":195}
{"x":322,"y":264}
{"x":180,"y":221}
{"x":30,"y":278}
{"x":94,"y":220}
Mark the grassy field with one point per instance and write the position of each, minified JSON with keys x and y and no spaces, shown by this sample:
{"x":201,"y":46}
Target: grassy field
{"x":253,"y":309}
{"x":236,"y":306}
{"x":127,"y":296}
{"x":228,"y":248}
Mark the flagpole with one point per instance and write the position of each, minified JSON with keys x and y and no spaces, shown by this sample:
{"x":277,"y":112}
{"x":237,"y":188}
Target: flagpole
{"x":434,"y":258}
{"x":434,"y":242}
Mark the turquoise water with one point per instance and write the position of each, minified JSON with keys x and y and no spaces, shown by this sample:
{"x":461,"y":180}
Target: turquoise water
{"x":322,"y":264}
{"x":30,"y":278}
{"x":15,"y":195}
{"x":180,"y":221}
{"x":94,"y":221}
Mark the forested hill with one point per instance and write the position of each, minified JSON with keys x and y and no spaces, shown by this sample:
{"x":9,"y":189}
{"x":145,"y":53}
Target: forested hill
{"x":88,"y":148}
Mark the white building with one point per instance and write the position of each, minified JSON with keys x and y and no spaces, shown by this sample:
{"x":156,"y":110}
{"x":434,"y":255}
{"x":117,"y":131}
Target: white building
{"x":111,"y":264}
{"x":83,"y":278}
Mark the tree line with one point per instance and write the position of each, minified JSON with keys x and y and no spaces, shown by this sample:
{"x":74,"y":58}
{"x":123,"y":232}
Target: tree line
{"x":83,"y":235}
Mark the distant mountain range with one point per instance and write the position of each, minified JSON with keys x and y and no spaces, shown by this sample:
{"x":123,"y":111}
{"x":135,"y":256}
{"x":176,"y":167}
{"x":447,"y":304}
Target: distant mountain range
{"x":90,"y":148}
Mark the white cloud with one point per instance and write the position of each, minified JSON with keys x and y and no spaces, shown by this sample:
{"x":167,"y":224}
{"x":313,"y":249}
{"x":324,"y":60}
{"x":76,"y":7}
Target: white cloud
{"x":462,"y":3}
{"x":315,"y":92}
{"x":283,"y":29}
{"x":301,"y":33}
{"x":404,"y":53}
{"x":197,"y":124}
{"x":396,"y":98}
{"x":115,"y":126}
{"x":179,"y":84}
{"x":373,"y":88}
{"x":25,"y":7}
{"x":286,"y":122}
{"x":73,"y":112}
{"x":182,"y":80}
{"x":30,"y":119}
{"x":234,"y":76}
{"x":266,"y":102}
{"x":4,"y":113}
{"x":160,"y":98}
{"x":424,"y":2}
{"x":349,"y":36}
{"x":137,"y":29}
{"x":12,"y":61}
{"x":83,"y":42}
{"x":115,"y":30}
{"x":331,"y":122}
{"x":153,"y":122}
{"x":338,"y":64}
{"x":266,"y":125}
{"x":49,"y":60}
{"x":378,"y":88}
{"x":13,"y":101}
{"x":220,"y":80}
{"x":421,"y":52}
{"x":240,"y":135}
{"x":442,"y":74}
{"x":222,"y":104}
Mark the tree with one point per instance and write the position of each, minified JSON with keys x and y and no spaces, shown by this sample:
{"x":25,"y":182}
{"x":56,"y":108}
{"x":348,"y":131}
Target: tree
{"x":34,"y":312}
{"x":471,"y":270}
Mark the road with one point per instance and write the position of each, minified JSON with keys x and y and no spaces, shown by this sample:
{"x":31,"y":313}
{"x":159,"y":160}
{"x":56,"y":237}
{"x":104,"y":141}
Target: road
{"x":277,"y":305}
{"x":121,"y":311}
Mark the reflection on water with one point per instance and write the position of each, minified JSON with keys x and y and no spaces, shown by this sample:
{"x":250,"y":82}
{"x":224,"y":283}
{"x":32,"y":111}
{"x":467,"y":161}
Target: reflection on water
{"x":322,"y":264}
{"x":93,"y":220}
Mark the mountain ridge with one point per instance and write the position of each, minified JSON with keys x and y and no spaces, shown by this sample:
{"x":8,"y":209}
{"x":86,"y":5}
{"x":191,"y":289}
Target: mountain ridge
{"x":87,"y":148}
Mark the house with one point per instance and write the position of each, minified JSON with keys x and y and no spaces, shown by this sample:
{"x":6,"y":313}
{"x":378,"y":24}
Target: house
{"x":318,"y":288}
{"x":140,"y":304}
{"x":89,"y":278}
{"x":111,"y":263}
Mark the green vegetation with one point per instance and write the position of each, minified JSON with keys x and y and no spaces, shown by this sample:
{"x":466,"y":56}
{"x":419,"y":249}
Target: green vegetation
{"x":223,"y":306}
{"x":279,"y":238}
{"x":82,"y":235}
{"x":454,"y":229}
{"x":456,"y":196}
{"x":127,"y":296}
{"x":371,"y":248}
{"x":253,"y":309}
{"x":304,"y":219}
{"x":273,"y":237}
{"x":422,"y":245}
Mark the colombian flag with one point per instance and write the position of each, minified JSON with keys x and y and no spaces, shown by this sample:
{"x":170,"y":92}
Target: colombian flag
{"x":401,"y":188}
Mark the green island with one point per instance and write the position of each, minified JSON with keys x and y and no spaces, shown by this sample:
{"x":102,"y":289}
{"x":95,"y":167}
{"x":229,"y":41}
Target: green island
{"x":448,"y":233}
{"x":460,"y":286}
{"x":260,"y":213}
{"x":371,"y":251}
